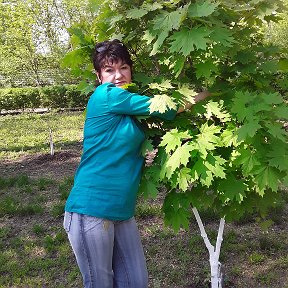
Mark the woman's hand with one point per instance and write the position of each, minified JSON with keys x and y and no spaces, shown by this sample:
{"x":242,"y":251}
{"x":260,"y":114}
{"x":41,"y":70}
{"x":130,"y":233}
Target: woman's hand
{"x":199,"y":97}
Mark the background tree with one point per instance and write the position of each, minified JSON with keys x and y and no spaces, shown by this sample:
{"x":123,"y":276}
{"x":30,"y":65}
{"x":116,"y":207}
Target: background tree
{"x":35,"y":37}
{"x":277,"y":32}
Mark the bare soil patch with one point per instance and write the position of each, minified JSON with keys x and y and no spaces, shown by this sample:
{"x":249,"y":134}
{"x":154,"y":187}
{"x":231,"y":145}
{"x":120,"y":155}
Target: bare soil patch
{"x":61,"y":164}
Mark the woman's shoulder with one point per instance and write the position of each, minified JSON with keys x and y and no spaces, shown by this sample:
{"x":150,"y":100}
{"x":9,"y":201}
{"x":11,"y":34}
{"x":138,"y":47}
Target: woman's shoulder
{"x":106,"y":85}
{"x":102,"y":90}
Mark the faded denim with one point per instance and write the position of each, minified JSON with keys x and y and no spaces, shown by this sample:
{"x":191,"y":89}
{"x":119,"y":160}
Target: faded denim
{"x":109,"y":253}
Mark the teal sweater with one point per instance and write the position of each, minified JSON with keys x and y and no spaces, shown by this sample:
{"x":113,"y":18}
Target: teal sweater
{"x":107,"y":179}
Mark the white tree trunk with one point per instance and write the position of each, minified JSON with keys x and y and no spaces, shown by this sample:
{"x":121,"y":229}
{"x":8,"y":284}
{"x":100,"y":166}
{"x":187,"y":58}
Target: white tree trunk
{"x":51,"y":142}
{"x":214,"y":252}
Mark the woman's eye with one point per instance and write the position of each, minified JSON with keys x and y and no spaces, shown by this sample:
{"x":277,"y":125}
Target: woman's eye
{"x":108,"y":70}
{"x":124,"y":67}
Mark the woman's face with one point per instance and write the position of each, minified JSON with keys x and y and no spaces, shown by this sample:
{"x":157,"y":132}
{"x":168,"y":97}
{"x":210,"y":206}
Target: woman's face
{"x":118,"y":73}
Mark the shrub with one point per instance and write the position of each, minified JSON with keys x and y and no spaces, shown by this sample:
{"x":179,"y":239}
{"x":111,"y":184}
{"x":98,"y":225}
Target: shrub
{"x":19,"y":98}
{"x":64,"y":96}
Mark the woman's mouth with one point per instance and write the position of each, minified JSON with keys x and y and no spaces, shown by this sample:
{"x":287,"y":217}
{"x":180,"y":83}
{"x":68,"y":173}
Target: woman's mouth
{"x":120,"y":83}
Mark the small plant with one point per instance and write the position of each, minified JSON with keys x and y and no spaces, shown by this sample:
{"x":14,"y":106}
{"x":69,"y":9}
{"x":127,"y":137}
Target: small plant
{"x":22,"y":180}
{"x":65,"y":187}
{"x":57,"y":210}
{"x":8,"y":206}
{"x":30,"y":209}
{"x":146,"y":210}
{"x":266,"y":278}
{"x":43,"y":183}
{"x":4,"y":231}
{"x":256,"y":258}
{"x":38,"y":229}
{"x":51,"y":243}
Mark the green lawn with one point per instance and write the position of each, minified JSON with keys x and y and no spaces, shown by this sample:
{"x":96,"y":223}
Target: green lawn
{"x":29,"y":133}
{"x":34,"y":251}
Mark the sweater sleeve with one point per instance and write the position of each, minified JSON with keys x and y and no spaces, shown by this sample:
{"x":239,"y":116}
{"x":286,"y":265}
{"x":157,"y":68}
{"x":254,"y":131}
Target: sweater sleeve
{"x":121,"y":101}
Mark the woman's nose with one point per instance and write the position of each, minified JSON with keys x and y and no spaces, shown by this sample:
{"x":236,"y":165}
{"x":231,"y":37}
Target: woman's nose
{"x":118,"y":74}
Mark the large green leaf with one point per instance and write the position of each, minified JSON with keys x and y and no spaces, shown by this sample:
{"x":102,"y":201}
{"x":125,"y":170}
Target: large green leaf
{"x":202,"y":8}
{"x":187,"y":40}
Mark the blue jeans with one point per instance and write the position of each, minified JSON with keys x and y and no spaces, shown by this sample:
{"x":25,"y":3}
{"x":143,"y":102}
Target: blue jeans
{"x":109,"y":253}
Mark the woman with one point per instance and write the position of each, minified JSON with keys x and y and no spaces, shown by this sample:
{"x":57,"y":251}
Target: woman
{"x":100,"y":208}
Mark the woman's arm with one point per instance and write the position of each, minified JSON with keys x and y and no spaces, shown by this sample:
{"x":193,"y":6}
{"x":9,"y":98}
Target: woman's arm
{"x":199,"y":97}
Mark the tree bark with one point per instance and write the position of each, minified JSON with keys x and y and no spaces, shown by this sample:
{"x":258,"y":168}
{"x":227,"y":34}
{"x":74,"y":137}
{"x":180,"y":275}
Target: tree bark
{"x":214,"y":252}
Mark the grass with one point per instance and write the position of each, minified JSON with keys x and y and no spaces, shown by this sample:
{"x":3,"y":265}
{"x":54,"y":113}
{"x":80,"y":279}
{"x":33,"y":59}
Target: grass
{"x":34,"y":250}
{"x":29,"y":133}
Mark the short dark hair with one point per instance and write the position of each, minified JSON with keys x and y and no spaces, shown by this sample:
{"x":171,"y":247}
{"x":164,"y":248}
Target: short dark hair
{"x":110,"y":51}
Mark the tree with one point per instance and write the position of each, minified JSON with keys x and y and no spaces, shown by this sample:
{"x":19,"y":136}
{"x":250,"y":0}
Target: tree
{"x":34,"y":37}
{"x":228,"y":154}
{"x":277,"y":32}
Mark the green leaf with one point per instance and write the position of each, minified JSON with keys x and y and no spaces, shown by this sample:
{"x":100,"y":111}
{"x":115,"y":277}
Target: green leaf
{"x":163,"y":86}
{"x":166,"y":22}
{"x":269,"y":66}
{"x":207,"y":139}
{"x":187,"y":40}
{"x":205,"y":69}
{"x":271,"y":98}
{"x":200,"y":172}
{"x":201,"y":9}
{"x":245,"y":56}
{"x":131,"y":87}
{"x":113,"y":20}
{"x":248,"y":159}
{"x":177,"y":219}
{"x":161,"y":103}
{"x":248,"y":129}
{"x":240,"y":105}
{"x":223,"y":36}
{"x":149,"y":36}
{"x":216,"y":109}
{"x":146,"y":147}
{"x":187,"y":92}
{"x":166,"y":171}
{"x":214,"y":164}
{"x":267,"y":177}
{"x":178,"y":65}
{"x":277,"y":130}
{"x":180,"y":156}
{"x":135,"y":13}
{"x":233,"y":188}
{"x":73,"y":59}
{"x":229,"y":137}
{"x":176,"y":210}
{"x":200,"y":198}
{"x":158,"y":43}
{"x":281,"y":112}
{"x":283,"y":65}
{"x":85,"y":87}
{"x":184,"y":178}
{"x":173,"y":139}
{"x":278,"y":154}
{"x":148,"y":188}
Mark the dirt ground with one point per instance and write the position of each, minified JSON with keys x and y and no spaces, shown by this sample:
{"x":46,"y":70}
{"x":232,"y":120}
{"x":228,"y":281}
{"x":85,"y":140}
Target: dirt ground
{"x":62,"y":163}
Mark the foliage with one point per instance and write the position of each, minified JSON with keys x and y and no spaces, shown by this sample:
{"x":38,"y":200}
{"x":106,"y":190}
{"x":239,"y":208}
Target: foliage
{"x":277,"y":32}
{"x":228,"y":153}
{"x":67,"y":96}
{"x":34,"y":38}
